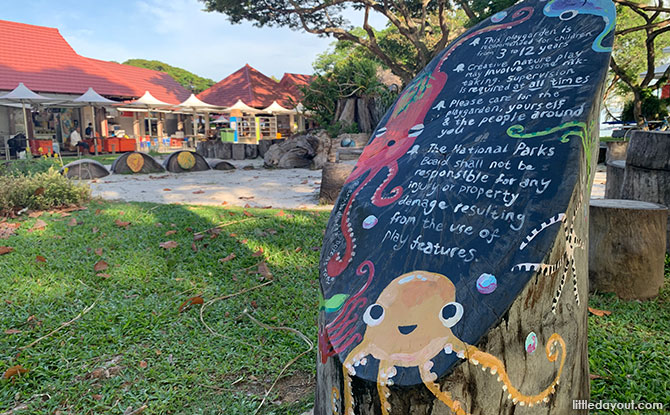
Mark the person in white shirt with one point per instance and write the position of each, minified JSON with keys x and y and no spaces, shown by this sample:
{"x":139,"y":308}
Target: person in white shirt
{"x":75,"y":140}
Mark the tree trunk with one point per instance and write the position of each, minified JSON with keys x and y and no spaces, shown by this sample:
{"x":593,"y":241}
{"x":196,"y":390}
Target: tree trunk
{"x":637,"y":107}
{"x":348,"y":115}
{"x":363,"y":115}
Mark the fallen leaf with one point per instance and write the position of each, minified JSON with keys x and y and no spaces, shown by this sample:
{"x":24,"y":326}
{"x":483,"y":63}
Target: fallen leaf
{"x":280,"y":213}
{"x":144,"y":364}
{"x":247,"y":214}
{"x":97,"y":212}
{"x":5,"y":250}
{"x":593,"y":376}
{"x":298,"y":249}
{"x":98,"y":251}
{"x":224,"y":203}
{"x":264,"y":270}
{"x":188,"y":229}
{"x":244,"y":241}
{"x":316,"y":248}
{"x":191,"y":301}
{"x":39,"y":191}
{"x":121,"y":212}
{"x":168,"y":244}
{"x":121,"y":223}
{"x":40,"y":258}
{"x":247,"y":206}
{"x":64,"y":214}
{"x":38,"y":226}
{"x":194,"y":247}
{"x":96,"y":396}
{"x":103,"y":275}
{"x":198,"y":192}
{"x":254,"y":304}
{"x":258,"y":253}
{"x":599,"y":313}
{"x":198,"y":237}
{"x":73,"y":222}
{"x":35,"y":215}
{"x":232,"y":235}
{"x":14,"y":371}
{"x":168,"y":233}
{"x":95,"y":230}
{"x":228,"y":258}
{"x":271,"y":231}
{"x":100,"y":266}
{"x":167,"y":190}
{"x":12,"y":331}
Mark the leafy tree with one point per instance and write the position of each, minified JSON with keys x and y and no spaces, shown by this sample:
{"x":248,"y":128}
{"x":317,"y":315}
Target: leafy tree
{"x":417,"y":29}
{"x":352,"y":77}
{"x":642,"y":30}
{"x":185,"y":78}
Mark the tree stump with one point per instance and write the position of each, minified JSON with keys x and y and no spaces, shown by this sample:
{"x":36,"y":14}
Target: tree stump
{"x":238,"y":151}
{"x":251,"y":151}
{"x":453,"y":271}
{"x":616,"y":150}
{"x":627,"y":247}
{"x":647,"y":176}
{"x":333,"y":176}
{"x":263,"y":147}
{"x":615,"y":174}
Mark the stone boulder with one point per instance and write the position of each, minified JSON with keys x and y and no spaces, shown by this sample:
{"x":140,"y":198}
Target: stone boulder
{"x":310,"y":150}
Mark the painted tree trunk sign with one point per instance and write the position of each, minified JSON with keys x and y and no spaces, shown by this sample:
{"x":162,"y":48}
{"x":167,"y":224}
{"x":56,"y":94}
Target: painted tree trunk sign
{"x":460,"y":235}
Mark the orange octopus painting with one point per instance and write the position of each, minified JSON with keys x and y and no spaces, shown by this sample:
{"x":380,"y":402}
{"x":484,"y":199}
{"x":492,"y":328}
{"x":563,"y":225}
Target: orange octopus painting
{"x":410,"y":324}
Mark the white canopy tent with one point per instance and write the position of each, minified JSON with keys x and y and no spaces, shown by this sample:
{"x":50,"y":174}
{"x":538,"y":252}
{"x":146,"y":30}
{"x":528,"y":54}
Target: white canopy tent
{"x":23,"y":95}
{"x":92,"y":98}
{"x":196,"y":105}
{"x":146,"y":102}
{"x":241,"y":106}
{"x":275,"y":108}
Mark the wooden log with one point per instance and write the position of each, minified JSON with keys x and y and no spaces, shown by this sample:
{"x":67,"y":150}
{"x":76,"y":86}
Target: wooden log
{"x":627,"y":247}
{"x":616,"y":150}
{"x":615,"y":175}
{"x":238,"y":151}
{"x":348,"y":115}
{"x":263,"y":147}
{"x":418,"y":295}
{"x":333,"y":176}
{"x":649,"y":150}
{"x":251,"y":151}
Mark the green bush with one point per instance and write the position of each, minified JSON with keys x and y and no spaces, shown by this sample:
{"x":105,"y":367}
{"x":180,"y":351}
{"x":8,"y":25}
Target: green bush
{"x":40,"y":191}
{"x":28,"y":166}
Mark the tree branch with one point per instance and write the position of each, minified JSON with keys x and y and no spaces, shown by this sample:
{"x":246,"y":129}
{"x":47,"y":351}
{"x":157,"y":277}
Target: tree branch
{"x":661,"y":24}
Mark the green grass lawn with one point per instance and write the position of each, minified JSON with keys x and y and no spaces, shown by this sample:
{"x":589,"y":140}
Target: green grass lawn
{"x":135,"y":348}
{"x":103,"y":158}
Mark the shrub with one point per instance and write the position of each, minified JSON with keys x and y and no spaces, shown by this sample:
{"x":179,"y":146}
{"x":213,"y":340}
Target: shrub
{"x":653,"y":108}
{"x":40,"y":191}
{"x":28,"y":167}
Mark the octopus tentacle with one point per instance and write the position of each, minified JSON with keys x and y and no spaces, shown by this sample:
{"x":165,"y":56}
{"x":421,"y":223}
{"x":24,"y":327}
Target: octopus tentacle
{"x":383,"y":390}
{"x":378,"y":199}
{"x":338,"y":263}
{"x":356,"y":355}
{"x":428,"y":379}
{"x":476,"y":356}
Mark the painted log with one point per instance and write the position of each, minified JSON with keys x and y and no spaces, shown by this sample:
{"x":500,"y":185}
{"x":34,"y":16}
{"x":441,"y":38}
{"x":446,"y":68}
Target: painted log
{"x":184,"y":161}
{"x":136,"y":162}
{"x":84,"y":169}
{"x":627,"y":247}
{"x":453,"y":272}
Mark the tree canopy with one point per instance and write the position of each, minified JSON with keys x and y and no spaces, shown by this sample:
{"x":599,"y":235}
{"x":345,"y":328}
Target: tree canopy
{"x":185,"y":78}
{"x":417,"y":29}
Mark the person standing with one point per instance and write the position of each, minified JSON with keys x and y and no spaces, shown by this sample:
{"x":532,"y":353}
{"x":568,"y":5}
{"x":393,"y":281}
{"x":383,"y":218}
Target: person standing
{"x":89,"y":131}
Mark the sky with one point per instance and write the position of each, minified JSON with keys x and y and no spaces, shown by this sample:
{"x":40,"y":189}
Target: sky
{"x":177,"y":32}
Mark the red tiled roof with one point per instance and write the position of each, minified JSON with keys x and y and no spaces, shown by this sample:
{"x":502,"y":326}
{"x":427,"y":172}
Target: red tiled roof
{"x":161,"y":85}
{"x":291,"y":83}
{"x":250,"y":86}
{"x":43,"y":60}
